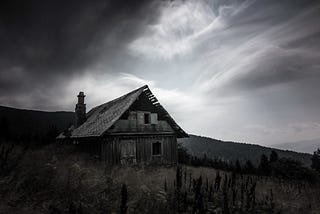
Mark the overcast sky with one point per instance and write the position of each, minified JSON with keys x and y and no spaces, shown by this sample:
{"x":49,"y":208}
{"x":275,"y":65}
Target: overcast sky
{"x":246,"y":71}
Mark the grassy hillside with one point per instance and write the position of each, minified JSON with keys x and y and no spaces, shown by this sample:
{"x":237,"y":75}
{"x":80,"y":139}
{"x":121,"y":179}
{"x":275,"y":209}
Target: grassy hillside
{"x":21,"y":122}
{"x":58,"y":179}
{"x":231,"y":151}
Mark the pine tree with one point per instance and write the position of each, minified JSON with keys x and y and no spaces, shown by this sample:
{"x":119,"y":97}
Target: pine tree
{"x":249,"y":168}
{"x":273,"y":156}
{"x":124,"y":199}
{"x":5,"y":132}
{"x":316,"y":160}
{"x":264,"y":165}
{"x":238,"y":166}
{"x":51,"y":134}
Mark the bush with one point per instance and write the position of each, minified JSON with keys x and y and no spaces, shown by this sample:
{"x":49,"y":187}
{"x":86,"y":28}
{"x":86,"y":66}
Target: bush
{"x":291,"y":169}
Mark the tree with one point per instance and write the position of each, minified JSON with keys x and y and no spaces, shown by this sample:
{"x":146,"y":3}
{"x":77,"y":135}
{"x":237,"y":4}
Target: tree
{"x":51,"y":134}
{"x":249,"y":168}
{"x":183,"y":156}
{"x":264,"y":165}
{"x":274,"y":156}
{"x":124,"y":199}
{"x":291,"y":169}
{"x":238,"y":166}
{"x":5,"y":132}
{"x":316,"y":160}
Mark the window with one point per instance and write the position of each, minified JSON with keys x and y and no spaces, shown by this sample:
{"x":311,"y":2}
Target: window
{"x":154,"y":118}
{"x":156,"y":148}
{"x":146,"y":118}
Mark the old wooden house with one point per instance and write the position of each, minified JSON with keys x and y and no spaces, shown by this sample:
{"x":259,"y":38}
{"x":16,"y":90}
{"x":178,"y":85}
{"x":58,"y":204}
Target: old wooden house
{"x":131,"y":129}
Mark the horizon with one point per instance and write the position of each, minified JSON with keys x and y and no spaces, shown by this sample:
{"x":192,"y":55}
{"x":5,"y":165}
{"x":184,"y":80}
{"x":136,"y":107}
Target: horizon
{"x":284,"y":146}
{"x":242,"y":71}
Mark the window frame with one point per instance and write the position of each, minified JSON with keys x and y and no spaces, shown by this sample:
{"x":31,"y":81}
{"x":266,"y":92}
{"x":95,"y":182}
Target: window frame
{"x":161,"y":148}
{"x":147,"y":115}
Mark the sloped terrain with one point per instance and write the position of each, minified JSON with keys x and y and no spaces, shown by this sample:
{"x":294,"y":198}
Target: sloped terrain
{"x":231,"y":151}
{"x":26,"y":123}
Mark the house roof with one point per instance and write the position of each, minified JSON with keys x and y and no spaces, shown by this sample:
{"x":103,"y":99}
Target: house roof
{"x":102,"y":117}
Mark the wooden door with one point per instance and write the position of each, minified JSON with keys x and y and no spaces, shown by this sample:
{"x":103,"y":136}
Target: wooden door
{"x":128,"y":152}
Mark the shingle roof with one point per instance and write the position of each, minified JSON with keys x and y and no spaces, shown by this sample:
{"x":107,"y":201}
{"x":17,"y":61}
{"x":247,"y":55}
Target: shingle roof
{"x":101,"y":118}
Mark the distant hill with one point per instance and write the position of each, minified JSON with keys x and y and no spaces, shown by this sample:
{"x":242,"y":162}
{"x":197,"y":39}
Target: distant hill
{"x":29,"y":122}
{"x":307,"y":146}
{"x":231,"y":151}
{"x":22,"y":122}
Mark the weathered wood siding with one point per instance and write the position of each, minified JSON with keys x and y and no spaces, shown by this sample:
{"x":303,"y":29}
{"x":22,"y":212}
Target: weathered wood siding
{"x":111,"y":152}
{"x":134,"y":126}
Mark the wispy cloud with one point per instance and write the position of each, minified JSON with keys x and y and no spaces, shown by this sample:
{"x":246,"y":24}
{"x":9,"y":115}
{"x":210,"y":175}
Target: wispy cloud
{"x":181,"y":23}
{"x":228,"y":47}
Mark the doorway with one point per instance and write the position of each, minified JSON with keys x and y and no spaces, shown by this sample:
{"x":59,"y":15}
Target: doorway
{"x":127,"y":152}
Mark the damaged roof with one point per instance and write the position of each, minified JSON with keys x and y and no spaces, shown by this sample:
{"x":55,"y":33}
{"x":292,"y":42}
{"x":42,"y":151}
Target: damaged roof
{"x":102,"y":117}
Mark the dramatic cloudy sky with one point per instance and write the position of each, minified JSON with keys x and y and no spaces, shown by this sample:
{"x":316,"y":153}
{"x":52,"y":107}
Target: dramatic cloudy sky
{"x":244,"y":70}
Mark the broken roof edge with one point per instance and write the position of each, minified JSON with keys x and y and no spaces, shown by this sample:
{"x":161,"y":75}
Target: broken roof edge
{"x":179,"y":131}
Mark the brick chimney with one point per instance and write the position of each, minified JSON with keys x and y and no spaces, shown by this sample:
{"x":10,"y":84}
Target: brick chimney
{"x":80,"y":110}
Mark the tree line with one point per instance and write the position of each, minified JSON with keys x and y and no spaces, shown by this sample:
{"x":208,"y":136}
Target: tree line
{"x":285,"y":168}
{"x":8,"y":134}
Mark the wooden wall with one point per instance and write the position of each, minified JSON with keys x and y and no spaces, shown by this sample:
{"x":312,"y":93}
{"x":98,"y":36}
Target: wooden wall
{"x":132,"y":126}
{"x":111,"y":149}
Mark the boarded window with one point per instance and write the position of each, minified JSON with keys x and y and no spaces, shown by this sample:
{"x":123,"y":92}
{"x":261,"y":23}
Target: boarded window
{"x":156,"y":148}
{"x":154,"y":118}
{"x":140,"y":118}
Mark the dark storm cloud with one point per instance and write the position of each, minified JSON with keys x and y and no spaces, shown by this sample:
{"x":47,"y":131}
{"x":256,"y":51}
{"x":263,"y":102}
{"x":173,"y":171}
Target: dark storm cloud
{"x":46,"y":41}
{"x":59,"y":33}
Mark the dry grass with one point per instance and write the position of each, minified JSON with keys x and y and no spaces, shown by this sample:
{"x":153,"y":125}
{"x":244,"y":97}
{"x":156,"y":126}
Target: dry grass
{"x":57,"y":179}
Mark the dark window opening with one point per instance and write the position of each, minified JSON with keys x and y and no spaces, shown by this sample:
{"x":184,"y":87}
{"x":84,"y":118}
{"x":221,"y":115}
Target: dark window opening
{"x":147,"y":118}
{"x":156,"y":148}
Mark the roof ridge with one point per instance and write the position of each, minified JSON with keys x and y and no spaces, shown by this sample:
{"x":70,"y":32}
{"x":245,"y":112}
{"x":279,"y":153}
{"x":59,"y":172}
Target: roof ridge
{"x":116,"y":108}
{"x":116,"y":99}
